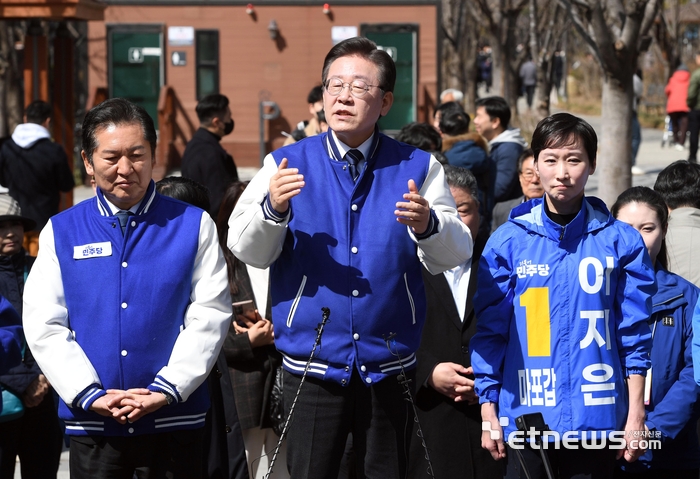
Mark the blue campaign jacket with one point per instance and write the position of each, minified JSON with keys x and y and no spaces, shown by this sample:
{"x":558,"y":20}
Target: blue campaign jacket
{"x":345,"y":250}
{"x":562,"y":313}
{"x":127,"y":308}
{"x":11,"y":338}
{"x":673,"y":408}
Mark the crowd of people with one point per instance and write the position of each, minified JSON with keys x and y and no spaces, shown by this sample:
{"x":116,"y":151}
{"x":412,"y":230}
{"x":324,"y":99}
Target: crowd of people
{"x":447,"y":303}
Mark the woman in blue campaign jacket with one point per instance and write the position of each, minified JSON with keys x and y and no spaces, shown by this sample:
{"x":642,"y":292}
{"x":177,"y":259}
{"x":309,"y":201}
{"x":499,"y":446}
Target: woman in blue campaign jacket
{"x":563,"y":298}
{"x":671,"y":395}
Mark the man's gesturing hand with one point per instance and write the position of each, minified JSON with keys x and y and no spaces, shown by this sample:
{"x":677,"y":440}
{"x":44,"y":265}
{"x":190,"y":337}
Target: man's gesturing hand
{"x":415,"y":211}
{"x":284,"y":184}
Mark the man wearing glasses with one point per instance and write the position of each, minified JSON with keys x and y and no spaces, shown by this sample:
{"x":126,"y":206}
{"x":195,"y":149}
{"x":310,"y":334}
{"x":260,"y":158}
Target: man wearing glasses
{"x":530,"y":185}
{"x":345,"y":219}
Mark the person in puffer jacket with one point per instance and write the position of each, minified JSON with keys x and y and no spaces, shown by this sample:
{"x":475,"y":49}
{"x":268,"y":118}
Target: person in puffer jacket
{"x":670,"y":393}
{"x":677,"y":106}
{"x":562,"y":303}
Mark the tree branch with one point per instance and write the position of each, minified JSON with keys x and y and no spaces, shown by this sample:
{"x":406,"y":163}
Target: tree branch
{"x":650,"y":11}
{"x":581,"y":27}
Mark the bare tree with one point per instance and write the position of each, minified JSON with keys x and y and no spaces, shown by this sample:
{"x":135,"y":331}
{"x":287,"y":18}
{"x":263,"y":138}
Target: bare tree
{"x":545,"y":18}
{"x":459,"y":52}
{"x":667,"y":33}
{"x":501,"y":17}
{"x":616,"y":32}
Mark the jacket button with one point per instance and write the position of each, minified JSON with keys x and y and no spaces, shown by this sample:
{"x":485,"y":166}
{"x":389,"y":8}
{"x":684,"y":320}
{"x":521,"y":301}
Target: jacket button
{"x":124,"y":305}
{"x":343,"y":382}
{"x":124,"y":264}
{"x":355,"y":293}
{"x":133,"y":223}
{"x":363,"y":368}
{"x":218,"y":373}
{"x":356,"y":337}
{"x":368,"y":380}
{"x":354,"y":207}
{"x":228,"y":429}
{"x":354,"y":249}
{"x":131,"y":430}
{"x":465,"y":350}
{"x":124,"y":353}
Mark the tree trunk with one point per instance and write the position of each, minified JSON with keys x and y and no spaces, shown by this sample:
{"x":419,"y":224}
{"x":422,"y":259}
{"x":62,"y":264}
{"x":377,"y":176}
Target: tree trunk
{"x":544,"y":87}
{"x":498,"y":67}
{"x":470,"y":75}
{"x":615,"y":158}
{"x":468,"y":54}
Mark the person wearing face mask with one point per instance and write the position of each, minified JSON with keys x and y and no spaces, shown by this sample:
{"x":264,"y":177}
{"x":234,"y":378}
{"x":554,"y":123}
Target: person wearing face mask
{"x":205,"y":160}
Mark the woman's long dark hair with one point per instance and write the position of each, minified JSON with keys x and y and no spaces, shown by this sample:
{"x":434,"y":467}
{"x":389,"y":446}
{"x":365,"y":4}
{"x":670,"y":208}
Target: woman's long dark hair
{"x":231,"y":197}
{"x":649,"y":197}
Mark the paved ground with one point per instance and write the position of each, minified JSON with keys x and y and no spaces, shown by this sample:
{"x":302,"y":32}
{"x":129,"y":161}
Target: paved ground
{"x":652,"y":158}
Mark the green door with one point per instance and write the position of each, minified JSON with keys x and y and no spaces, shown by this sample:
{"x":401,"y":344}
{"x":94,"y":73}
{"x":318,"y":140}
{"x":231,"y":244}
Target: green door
{"x":400,"y":42}
{"x":136,"y":67}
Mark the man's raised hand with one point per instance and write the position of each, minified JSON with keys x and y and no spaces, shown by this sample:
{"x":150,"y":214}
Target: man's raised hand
{"x":285,"y":184}
{"x":415,"y":211}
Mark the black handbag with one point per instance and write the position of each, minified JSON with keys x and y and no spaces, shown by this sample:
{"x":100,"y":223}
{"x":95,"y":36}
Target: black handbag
{"x":276,"y":412}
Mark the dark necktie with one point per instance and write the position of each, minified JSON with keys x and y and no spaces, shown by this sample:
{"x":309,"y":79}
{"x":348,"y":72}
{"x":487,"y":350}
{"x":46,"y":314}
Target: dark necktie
{"x":354,"y":157}
{"x":123,"y":217}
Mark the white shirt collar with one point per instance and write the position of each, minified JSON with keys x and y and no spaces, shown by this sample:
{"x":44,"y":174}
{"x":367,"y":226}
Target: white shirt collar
{"x":114,"y":209}
{"x":343,"y":148}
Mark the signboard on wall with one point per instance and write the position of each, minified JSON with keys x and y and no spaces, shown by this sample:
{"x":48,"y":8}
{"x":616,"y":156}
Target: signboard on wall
{"x":180,"y":36}
{"x":338,"y":34}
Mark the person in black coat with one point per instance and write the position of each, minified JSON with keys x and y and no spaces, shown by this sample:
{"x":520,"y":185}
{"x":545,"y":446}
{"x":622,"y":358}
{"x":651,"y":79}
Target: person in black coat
{"x":205,"y":160}
{"x":35,"y":169}
{"x":36,"y":437}
{"x":447,"y":407}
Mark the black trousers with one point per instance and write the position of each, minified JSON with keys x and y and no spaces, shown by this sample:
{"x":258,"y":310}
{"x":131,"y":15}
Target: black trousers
{"x":529,"y":94}
{"x":566,"y":463}
{"x":325,"y":413}
{"x":679,"y":123}
{"x":36,"y":438}
{"x":693,"y":131}
{"x":174,"y":455}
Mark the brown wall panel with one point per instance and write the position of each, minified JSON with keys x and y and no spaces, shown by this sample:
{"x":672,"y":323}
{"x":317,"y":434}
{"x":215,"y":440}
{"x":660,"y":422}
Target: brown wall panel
{"x":253,"y":66}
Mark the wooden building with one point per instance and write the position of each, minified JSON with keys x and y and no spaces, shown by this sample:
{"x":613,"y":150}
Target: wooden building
{"x":48,"y":61}
{"x":265,"y":56}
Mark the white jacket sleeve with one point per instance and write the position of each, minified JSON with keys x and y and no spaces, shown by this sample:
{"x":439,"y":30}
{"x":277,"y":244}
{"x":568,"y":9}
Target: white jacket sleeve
{"x":47,"y":326}
{"x":452,"y":245}
{"x":252,"y":238}
{"x":207,"y":318}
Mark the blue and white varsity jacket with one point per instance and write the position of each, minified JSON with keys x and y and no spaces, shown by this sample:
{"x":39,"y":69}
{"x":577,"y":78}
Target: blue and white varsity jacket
{"x":342,"y":248}
{"x":562,"y":318}
{"x":149,"y":308}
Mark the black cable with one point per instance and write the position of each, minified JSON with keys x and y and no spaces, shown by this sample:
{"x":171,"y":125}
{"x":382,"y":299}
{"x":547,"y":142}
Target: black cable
{"x":317,"y":342}
{"x":522,"y":462}
{"x":404,"y":381}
